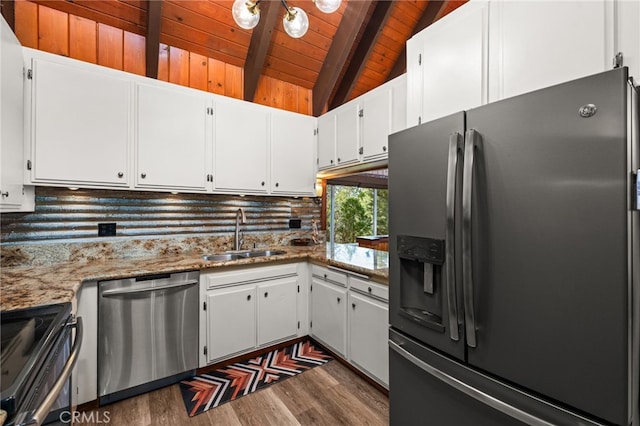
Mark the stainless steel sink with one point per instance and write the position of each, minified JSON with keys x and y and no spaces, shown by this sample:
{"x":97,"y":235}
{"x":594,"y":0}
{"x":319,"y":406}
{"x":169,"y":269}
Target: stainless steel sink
{"x":222,"y":257}
{"x":263,"y":253}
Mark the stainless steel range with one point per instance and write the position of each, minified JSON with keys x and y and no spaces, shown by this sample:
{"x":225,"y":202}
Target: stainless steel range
{"x":37,"y":357}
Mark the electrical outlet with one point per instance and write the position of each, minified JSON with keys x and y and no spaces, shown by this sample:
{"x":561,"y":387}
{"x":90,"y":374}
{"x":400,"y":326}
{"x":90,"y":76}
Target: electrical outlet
{"x":295,"y":223}
{"x":106,"y":229}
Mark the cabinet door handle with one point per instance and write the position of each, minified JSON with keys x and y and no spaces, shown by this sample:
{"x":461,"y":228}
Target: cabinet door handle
{"x":248,"y":297}
{"x":120,"y":174}
{"x":353,"y":305}
{"x":331,"y":161}
{"x":4,"y":194}
{"x":384,"y":149}
{"x":338,"y":300}
{"x":369,"y":289}
{"x":277,"y":184}
{"x":266,"y":293}
{"x":143,"y":175}
{"x":338,"y":159}
{"x":262,"y":183}
{"x":325,"y":276}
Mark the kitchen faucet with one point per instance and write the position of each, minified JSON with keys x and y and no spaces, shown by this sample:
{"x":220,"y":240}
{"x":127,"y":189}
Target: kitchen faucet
{"x":240,"y":218}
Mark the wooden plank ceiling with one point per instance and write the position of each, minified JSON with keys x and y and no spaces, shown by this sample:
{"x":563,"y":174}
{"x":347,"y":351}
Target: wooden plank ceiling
{"x":343,"y":55}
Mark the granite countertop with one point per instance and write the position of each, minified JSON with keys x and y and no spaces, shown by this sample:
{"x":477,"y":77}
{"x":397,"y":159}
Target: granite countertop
{"x":27,"y":286}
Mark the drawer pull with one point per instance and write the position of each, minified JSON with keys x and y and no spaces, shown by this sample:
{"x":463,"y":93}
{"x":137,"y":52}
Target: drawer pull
{"x":248,"y":297}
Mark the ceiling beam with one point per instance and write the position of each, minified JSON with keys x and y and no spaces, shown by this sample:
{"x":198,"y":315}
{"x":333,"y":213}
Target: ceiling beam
{"x":358,"y":62}
{"x":154,"y":21}
{"x":351,"y":25}
{"x":259,"y":47}
{"x":9,"y":13}
{"x":428,"y":17}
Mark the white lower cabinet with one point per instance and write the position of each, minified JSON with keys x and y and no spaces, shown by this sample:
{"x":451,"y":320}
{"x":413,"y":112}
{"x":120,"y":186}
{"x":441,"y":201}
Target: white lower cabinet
{"x":329,"y":314}
{"x":350,"y":315}
{"x":368,"y":335}
{"x":277,"y":316}
{"x":231,"y":321}
{"x":244,"y":308}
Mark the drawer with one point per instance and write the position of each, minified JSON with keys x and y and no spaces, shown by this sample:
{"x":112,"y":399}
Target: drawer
{"x":246,"y":275}
{"x":367,"y":287}
{"x":328,"y":274}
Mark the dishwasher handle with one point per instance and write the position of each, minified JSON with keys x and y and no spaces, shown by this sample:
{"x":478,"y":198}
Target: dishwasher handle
{"x":114,"y":293}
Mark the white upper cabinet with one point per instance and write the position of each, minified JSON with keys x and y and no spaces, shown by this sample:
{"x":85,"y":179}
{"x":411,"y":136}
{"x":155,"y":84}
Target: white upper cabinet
{"x":376,"y":123}
{"x":627,"y":19}
{"x":173,"y":137}
{"x":398,"y":87}
{"x":241,"y":147}
{"x":415,"y":86}
{"x":12,"y":191}
{"x":535,"y":44}
{"x":347,"y":133}
{"x":490,"y":50}
{"x":293,"y":159}
{"x":80,"y":123}
{"x":358,"y":131}
{"x":447,"y":65}
{"x":327,"y":140}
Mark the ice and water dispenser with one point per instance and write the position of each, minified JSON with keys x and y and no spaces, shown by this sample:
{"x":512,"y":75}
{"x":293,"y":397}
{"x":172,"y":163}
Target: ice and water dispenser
{"x":421,"y":280}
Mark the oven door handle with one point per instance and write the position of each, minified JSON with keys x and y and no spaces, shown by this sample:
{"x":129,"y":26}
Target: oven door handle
{"x":42,"y":411}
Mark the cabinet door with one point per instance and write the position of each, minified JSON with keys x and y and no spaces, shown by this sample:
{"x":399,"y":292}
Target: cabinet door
{"x":347,"y":133}
{"x":454,"y":64}
{"x":415,"y":88}
{"x":329,"y":315}
{"x":376,"y":123}
{"x":326,"y":141}
{"x":173,"y":135}
{"x":277,"y":316}
{"x":240,"y":155}
{"x":542,"y":43}
{"x":11,"y":121}
{"x":627,"y":28}
{"x":293,"y":160}
{"x":398,"y":104}
{"x":231,"y":321}
{"x":368,"y":335}
{"x":80,"y":125}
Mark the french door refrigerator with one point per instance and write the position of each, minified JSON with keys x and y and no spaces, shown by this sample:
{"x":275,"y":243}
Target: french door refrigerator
{"x":514,"y":261}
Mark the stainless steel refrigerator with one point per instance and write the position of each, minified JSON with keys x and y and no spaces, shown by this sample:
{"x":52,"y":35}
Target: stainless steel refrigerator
{"x":514,"y":261}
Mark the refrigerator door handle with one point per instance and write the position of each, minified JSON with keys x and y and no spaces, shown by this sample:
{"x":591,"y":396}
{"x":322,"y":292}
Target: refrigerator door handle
{"x":455,"y":147}
{"x":468,"y":390}
{"x":472,"y":140}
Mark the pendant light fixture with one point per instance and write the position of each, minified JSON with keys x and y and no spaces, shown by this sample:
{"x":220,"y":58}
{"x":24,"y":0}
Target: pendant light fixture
{"x":246,"y":13}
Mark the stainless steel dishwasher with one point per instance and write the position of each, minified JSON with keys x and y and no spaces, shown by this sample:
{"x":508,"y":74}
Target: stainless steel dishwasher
{"x":148,"y":333}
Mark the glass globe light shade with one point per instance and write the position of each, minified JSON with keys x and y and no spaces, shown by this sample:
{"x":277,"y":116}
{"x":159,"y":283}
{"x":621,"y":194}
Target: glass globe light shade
{"x":296,"y":22}
{"x":327,"y":6}
{"x":245,"y":13}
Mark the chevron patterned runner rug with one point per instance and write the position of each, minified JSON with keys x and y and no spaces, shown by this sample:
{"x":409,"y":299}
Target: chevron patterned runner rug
{"x":207,"y":391}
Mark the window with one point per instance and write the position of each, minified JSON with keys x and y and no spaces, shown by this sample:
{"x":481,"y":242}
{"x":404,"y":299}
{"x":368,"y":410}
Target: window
{"x":357,"y":206}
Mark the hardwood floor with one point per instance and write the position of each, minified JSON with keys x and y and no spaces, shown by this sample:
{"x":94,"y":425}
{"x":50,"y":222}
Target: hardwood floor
{"x":327,"y":395}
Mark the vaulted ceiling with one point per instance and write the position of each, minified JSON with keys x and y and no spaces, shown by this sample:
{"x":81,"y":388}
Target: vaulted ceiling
{"x":343,"y":55}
